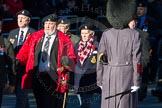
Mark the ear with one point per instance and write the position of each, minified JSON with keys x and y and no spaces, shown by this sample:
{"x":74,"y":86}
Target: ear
{"x":67,"y":27}
{"x":28,"y":20}
{"x":92,"y":33}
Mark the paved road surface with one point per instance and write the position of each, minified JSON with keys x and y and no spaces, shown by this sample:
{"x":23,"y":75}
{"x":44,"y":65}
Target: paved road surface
{"x":73,"y":101}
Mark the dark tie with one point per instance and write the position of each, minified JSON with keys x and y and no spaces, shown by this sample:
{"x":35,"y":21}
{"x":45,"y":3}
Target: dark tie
{"x":21,"y":38}
{"x":45,"y":49}
{"x":85,"y":45}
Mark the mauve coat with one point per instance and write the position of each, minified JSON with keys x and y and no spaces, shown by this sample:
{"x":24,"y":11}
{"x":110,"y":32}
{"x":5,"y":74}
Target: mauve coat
{"x":123,"y":50}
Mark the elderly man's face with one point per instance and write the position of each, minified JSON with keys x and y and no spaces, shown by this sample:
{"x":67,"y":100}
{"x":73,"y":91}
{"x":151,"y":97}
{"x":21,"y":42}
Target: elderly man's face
{"x":23,"y":21}
{"x":141,"y":11}
{"x":63,"y":27}
{"x":49,"y":27}
{"x":86,"y":34}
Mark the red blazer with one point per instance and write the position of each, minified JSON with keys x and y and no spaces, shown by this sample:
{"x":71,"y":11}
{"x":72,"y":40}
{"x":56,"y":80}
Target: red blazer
{"x":26,"y":57}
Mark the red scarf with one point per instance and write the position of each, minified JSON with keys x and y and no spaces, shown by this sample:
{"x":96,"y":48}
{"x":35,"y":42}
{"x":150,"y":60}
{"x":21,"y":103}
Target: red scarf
{"x":83,"y":53}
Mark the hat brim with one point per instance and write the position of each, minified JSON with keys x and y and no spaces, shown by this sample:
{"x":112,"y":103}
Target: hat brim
{"x":20,"y":13}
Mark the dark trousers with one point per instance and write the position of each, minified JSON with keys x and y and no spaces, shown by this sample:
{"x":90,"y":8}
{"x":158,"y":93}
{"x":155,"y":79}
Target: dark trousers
{"x":44,"y":91}
{"x":1,"y":94}
{"x":160,"y":71}
{"x":143,"y":90}
{"x":154,"y":61}
{"x":22,"y":100}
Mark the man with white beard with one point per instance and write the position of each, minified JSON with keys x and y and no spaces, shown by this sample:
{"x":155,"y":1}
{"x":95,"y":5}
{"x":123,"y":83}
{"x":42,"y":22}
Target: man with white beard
{"x":49,"y":56}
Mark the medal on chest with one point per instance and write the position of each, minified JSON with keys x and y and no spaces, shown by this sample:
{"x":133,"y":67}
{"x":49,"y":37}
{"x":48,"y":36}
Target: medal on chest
{"x":93,"y":60}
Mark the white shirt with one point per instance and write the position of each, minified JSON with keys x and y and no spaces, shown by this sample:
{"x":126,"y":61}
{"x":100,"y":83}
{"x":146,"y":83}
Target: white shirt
{"x":45,"y":66}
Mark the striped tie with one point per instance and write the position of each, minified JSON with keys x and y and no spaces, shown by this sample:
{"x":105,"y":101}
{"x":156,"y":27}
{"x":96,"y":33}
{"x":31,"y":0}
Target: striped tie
{"x":45,"y":49}
{"x":21,"y":38}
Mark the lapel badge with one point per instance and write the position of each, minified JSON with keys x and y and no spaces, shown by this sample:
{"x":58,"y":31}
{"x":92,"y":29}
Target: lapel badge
{"x":15,"y":36}
{"x":12,"y":40}
{"x":93,"y":60}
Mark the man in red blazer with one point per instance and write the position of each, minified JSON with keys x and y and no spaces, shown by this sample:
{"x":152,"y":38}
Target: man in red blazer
{"x":49,"y":56}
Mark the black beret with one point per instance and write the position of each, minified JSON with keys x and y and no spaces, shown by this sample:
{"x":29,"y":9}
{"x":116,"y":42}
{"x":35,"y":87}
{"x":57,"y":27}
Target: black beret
{"x":63,"y":21}
{"x":51,"y":17}
{"x":142,"y":4}
{"x":86,"y":27}
{"x":24,"y":12}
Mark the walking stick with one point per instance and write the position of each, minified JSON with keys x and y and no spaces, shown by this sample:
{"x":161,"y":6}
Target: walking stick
{"x":64,"y":100}
{"x":122,"y":93}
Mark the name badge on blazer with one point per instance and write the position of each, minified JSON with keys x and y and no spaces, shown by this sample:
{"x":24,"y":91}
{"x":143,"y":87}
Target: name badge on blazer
{"x":16,"y":36}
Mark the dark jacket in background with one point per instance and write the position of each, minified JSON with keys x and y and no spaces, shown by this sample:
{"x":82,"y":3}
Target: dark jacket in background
{"x":145,"y":47}
{"x":7,"y":59}
{"x":13,"y":38}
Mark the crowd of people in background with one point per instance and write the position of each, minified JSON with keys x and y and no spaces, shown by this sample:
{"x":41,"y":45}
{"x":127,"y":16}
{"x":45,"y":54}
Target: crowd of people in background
{"x":147,"y":21}
{"x":8,"y":8}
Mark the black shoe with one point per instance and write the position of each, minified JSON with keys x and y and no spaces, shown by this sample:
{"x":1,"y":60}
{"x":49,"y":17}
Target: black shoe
{"x":154,"y":93}
{"x":140,"y":99}
{"x":160,"y":99}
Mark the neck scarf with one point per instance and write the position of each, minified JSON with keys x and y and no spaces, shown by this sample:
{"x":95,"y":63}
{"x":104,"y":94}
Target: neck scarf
{"x":83,"y":52}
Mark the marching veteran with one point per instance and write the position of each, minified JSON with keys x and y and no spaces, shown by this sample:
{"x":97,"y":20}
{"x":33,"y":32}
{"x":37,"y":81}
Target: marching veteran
{"x":85,"y":69}
{"x":48,"y":55}
{"x":64,"y":25}
{"x":17,"y":37}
